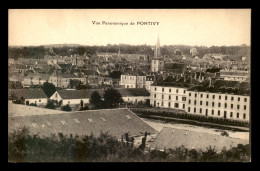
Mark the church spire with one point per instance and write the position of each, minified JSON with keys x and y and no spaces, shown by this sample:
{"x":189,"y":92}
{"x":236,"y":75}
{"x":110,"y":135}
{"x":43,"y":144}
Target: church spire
{"x":157,"y":52}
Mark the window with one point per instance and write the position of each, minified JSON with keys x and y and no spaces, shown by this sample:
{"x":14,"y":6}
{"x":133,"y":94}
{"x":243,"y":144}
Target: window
{"x":194,"y":110}
{"x":188,"y":109}
{"x":154,"y":95}
{"x":189,"y":101}
{"x":76,"y":120}
{"x":245,"y":99}
{"x":218,"y":112}
{"x":225,"y":105}
{"x":170,"y":90}
{"x":201,"y":95}
{"x":219,"y":97}
{"x":225,"y":97}
{"x":162,"y":96}
{"x":219,"y":104}
{"x":231,"y":114}
{"x":238,"y":106}
{"x":184,"y":91}
{"x":128,"y":117}
{"x":231,"y":106}
{"x":39,"y":100}
{"x":176,"y":97}
{"x":169,"y":104}
{"x":63,"y":122}
{"x":244,"y":116}
{"x":200,"y":110}
{"x":177,"y":90}
{"x":189,"y":94}
{"x":183,"y":106}
{"x":195,"y":94}
{"x":200,"y":102}
{"x":68,"y":101}
{"x":244,"y":107}
{"x":207,"y":96}
{"x":154,"y":88}
{"x":183,"y":98}
{"x":56,"y":95}
{"x":207,"y":103}
{"x":212,"y":112}
{"x":213,"y":96}
{"x":162,"y":89}
{"x":238,"y":99}
{"x":162,"y":104}
{"x":213,"y":104}
{"x":169,"y":97}
{"x":232,"y":98}
{"x":237,"y":115}
{"x":176,"y":105}
{"x":194,"y":102}
{"x":91,"y":120}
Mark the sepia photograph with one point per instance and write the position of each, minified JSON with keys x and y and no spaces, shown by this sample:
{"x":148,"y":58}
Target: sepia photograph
{"x":129,"y":85}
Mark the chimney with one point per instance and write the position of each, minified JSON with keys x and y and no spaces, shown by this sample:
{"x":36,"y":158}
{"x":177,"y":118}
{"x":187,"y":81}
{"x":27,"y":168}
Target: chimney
{"x":190,"y":79}
{"x":210,"y":81}
{"x":195,"y":77}
{"x":185,"y":78}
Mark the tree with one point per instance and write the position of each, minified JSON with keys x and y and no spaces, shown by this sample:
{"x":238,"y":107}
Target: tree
{"x":48,"y":89}
{"x":13,"y":97}
{"x":95,"y":100}
{"x":66,"y":108}
{"x":50,"y":105}
{"x":112,"y":98}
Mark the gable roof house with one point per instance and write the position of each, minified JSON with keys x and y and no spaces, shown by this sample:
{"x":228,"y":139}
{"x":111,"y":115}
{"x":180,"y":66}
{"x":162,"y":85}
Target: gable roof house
{"x":34,"y":95}
{"x":35,"y":79}
{"x":71,"y":97}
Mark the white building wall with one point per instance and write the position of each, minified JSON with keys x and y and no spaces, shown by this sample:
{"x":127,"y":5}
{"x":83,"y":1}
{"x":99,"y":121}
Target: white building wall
{"x":168,"y":97}
{"x":213,"y":105}
{"x":133,"y":99}
{"x":40,"y":101}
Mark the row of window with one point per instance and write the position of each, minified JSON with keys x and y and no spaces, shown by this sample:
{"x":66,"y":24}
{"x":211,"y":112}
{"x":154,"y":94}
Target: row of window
{"x":177,"y":91}
{"x":176,"y":105}
{"x":212,"y":113}
{"x":213,"y":97}
{"x":183,"y":98}
{"x":219,"y":104}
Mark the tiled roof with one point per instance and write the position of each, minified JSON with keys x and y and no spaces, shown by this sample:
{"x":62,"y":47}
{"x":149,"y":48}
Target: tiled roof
{"x":64,"y":75}
{"x":73,"y":94}
{"x":133,"y":92}
{"x":171,"y":81}
{"x":224,"y":86}
{"x":33,"y":93}
{"x":113,"y":121}
{"x":37,"y":76}
{"x":172,"y":138}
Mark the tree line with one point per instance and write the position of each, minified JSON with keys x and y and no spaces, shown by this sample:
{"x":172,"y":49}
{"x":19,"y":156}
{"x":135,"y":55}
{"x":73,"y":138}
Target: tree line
{"x":40,"y":51}
{"x":23,"y":147}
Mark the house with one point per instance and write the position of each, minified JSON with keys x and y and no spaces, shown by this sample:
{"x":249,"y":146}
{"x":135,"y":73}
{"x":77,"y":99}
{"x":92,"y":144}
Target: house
{"x":172,"y":138}
{"x":134,"y":95}
{"x":115,"y":122}
{"x":35,"y":79}
{"x":133,"y":79}
{"x":71,"y":97}
{"x":34,"y":95}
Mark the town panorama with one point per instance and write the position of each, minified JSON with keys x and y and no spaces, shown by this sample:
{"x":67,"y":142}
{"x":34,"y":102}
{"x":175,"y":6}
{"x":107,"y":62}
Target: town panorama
{"x":157,"y":103}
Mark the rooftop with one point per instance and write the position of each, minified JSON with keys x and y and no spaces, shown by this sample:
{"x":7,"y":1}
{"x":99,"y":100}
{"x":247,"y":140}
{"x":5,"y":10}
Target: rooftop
{"x":116,"y":122}
{"x":31,"y":93}
{"x":173,"y":138}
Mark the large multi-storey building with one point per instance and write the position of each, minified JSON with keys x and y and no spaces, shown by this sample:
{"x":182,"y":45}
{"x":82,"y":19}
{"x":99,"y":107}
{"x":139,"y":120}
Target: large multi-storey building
{"x":134,"y":79}
{"x":171,"y":92}
{"x":220,"y":99}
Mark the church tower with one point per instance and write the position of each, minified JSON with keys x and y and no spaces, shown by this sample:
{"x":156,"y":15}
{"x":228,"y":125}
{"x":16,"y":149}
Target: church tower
{"x":157,"y":61}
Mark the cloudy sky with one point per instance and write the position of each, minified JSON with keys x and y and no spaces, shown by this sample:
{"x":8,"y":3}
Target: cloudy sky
{"x":205,"y":27}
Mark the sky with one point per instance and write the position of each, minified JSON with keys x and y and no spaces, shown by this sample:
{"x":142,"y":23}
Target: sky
{"x":194,"y":27}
